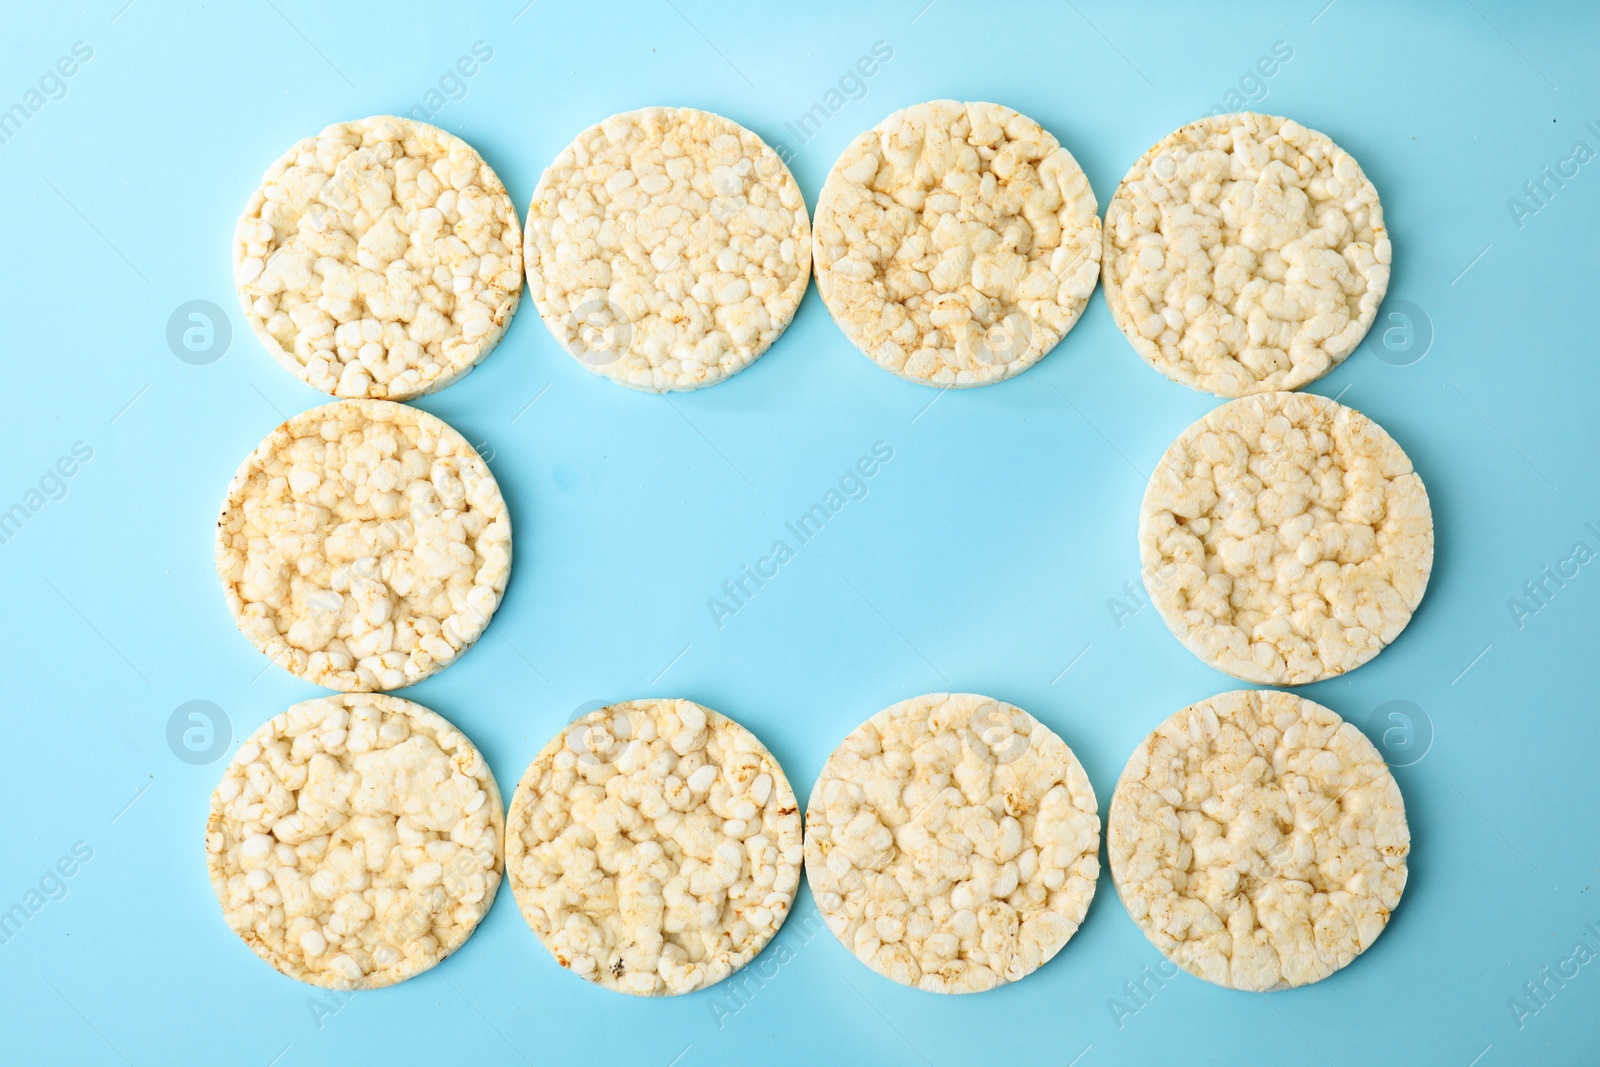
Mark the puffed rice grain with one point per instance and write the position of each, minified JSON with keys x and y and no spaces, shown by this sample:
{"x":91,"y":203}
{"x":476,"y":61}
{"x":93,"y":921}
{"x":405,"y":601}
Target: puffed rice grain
{"x":952,"y":843}
{"x":956,"y":243}
{"x":1245,"y":254}
{"x":654,"y":846}
{"x":354,"y":841}
{"x":381,"y":258}
{"x":1258,"y":840}
{"x":1284,"y":538}
{"x":363,"y":545}
{"x":667,"y":248}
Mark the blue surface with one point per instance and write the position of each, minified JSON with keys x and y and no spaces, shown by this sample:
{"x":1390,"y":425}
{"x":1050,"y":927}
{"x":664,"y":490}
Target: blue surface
{"x":987,"y":554}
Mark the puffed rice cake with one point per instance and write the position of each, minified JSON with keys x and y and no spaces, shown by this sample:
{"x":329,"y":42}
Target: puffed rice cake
{"x":952,"y":843}
{"x":381,"y":258}
{"x":667,"y":248}
{"x":1284,"y":538}
{"x":363,"y":545}
{"x":1245,"y":254}
{"x":654,"y":846}
{"x":1258,"y":840}
{"x":956,"y":243}
{"x":354,"y":840}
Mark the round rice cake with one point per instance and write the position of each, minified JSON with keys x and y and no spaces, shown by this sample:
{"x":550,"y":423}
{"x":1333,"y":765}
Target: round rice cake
{"x":952,"y":843}
{"x":1245,"y":254}
{"x":667,"y":248}
{"x":354,"y":840}
{"x":363,"y":545}
{"x":381,"y":258}
{"x":956,"y":243}
{"x":1258,"y":840}
{"x":1284,"y":538}
{"x":654,"y":846}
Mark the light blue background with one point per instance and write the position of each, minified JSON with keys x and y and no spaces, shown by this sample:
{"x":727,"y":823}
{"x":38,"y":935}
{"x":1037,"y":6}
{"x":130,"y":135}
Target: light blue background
{"x":984,"y":557}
